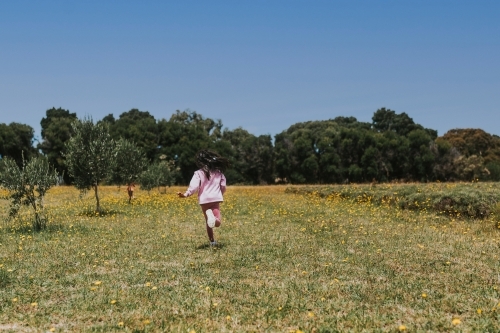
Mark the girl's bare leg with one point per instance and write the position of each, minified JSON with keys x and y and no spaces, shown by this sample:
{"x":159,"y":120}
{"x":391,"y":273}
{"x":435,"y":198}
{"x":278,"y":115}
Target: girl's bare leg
{"x":215,"y":207}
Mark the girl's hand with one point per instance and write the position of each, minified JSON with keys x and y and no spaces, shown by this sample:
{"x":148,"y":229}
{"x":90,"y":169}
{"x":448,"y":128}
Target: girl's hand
{"x":181,"y":195}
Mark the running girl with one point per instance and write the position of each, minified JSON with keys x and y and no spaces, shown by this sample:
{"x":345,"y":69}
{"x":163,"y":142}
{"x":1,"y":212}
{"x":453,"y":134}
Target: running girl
{"x":210,"y":183}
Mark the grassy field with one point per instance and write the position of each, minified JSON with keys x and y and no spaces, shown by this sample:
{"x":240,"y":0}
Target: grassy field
{"x":286,"y":263}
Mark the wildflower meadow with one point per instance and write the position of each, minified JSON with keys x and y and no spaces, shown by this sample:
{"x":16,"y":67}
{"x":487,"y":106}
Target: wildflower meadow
{"x":287,"y":261}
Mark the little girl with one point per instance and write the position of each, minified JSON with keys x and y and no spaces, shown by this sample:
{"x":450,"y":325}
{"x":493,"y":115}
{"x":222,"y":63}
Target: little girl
{"x":130,"y":191}
{"x":210,"y":182}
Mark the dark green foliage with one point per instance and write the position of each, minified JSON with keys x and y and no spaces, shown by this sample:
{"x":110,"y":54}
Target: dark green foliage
{"x":136,"y":126}
{"x":183,"y":135}
{"x":343,"y":150}
{"x":421,"y":156}
{"x":465,"y":200}
{"x":446,"y":167}
{"x":16,"y":141}
{"x":340,"y":150}
{"x":393,"y":147}
{"x":56,"y":131}
{"x":387,"y":120}
{"x":307,"y":152}
{"x":251,"y":157}
{"x":28,"y":185}
{"x":493,"y":171}
{"x":90,"y":155}
{"x":187,"y":132}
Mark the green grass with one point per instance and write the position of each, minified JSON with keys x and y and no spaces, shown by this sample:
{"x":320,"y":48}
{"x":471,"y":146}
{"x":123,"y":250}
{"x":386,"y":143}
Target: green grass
{"x":286,"y":262}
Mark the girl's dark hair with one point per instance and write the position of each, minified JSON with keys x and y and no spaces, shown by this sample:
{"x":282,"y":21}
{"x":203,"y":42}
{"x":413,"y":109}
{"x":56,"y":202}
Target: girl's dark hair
{"x":210,"y":161}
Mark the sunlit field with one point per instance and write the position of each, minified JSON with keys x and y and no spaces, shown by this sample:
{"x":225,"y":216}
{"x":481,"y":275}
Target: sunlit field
{"x":285,"y":263}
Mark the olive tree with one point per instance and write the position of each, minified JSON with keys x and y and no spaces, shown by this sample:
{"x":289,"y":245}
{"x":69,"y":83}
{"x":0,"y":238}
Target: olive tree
{"x":158,"y":174}
{"x":27,"y":186}
{"x":90,"y":155}
{"x":130,"y":162}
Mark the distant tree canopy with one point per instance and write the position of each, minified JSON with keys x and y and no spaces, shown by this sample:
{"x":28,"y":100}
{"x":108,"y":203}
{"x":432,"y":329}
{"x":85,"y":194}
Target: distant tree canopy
{"x":183,"y":135}
{"x":388,"y":120}
{"x":477,"y":153}
{"x":251,"y":156}
{"x":16,"y":140}
{"x":392,"y":147}
{"x":344,"y":150}
{"x":56,"y":131}
{"x":471,"y":141}
{"x":137,"y":126}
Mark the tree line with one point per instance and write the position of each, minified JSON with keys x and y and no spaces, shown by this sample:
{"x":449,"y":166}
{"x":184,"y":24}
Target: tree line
{"x":340,"y":150}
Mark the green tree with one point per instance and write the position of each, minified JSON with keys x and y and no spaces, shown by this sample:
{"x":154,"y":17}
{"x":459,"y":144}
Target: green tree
{"x":344,"y":150}
{"x":157,"y":174}
{"x":421,"y":157}
{"x":446,"y":167}
{"x":493,"y":171}
{"x":130,"y":162}
{"x":56,"y":131}
{"x":90,"y":155}
{"x":183,"y":135}
{"x":250,"y":157}
{"x":308,"y":152}
{"x":28,"y":185}
{"x":394,"y":161}
{"x":136,"y":126}
{"x":16,"y":141}
{"x":388,"y":120}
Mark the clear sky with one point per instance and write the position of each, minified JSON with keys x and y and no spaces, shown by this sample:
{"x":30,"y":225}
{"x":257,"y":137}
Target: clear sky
{"x":259,"y":64}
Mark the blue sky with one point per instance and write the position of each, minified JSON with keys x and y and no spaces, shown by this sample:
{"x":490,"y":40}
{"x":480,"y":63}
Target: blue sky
{"x":261,"y":65}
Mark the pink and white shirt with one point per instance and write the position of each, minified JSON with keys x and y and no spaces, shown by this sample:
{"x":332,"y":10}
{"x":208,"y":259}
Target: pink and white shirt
{"x":209,"y":190}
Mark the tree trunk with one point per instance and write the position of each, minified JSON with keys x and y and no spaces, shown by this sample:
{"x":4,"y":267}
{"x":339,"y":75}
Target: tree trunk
{"x":98,"y":206}
{"x":37,"y":224}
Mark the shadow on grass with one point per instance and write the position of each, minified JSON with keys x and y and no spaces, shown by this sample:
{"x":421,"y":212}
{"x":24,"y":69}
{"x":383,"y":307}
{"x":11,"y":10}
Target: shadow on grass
{"x":208,"y":246}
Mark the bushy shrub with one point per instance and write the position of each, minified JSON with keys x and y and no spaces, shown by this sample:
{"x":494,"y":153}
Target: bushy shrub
{"x":474,"y":200}
{"x":27,"y":186}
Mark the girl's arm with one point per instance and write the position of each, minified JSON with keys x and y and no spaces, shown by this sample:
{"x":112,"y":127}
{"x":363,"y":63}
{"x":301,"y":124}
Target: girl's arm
{"x":194,"y":184}
{"x":223,"y":184}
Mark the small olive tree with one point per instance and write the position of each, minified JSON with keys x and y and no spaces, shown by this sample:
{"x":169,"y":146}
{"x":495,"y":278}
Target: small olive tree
{"x":90,"y":155}
{"x":130,"y":162}
{"x":28,"y":185}
{"x":157,"y":174}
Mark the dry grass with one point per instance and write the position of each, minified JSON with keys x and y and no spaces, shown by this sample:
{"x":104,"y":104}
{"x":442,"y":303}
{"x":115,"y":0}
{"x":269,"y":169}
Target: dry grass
{"x":286,"y":263}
